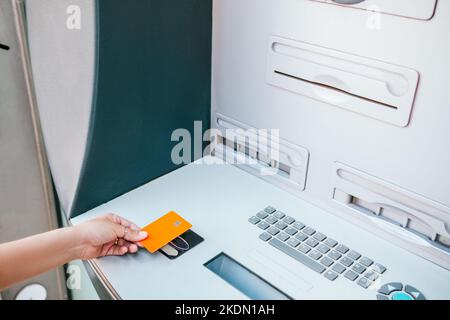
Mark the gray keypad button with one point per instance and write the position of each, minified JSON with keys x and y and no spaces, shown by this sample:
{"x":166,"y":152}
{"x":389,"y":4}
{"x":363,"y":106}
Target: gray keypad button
{"x":351,"y":275}
{"x":312,"y":242}
{"x":371,"y":275}
{"x":346,"y":261}
{"x":354,"y":255}
{"x":297,"y":255}
{"x":366,"y":261}
{"x":330,"y":275}
{"x":283,"y":236}
{"x":304,"y":248}
{"x":309,"y":231}
{"x":339,"y":268}
{"x":273,"y":231}
{"x":271,"y":220}
{"x":335,"y":255}
{"x":358,"y":268}
{"x":342,"y":249}
{"x":326,"y":261}
{"x":331,"y":242}
{"x":320,"y":236}
{"x":291,"y":231}
{"x":263,"y":225}
{"x":281,"y":225}
{"x":301,"y":236}
{"x":270,"y":210}
{"x":323,"y":248}
{"x":254,"y":220}
{"x":414,"y":292}
{"x":298,"y":225}
{"x":279,"y":214}
{"x":262,"y":214}
{"x":289,"y":220}
{"x":265,"y":236}
{"x":364,"y":282}
{"x":293,"y":242}
{"x":381,"y":297}
{"x":388,"y":288}
{"x":379,"y":268}
{"x":316,"y":255}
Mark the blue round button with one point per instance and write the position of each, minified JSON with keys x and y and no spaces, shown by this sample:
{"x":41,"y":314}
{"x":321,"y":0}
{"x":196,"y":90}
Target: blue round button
{"x":401,"y":296}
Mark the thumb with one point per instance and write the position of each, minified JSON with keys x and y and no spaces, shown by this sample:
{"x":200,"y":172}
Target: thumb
{"x":133,"y":235}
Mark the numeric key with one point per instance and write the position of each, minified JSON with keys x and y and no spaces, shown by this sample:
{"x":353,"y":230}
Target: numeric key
{"x":262,"y":214}
{"x":281,"y":225}
{"x":342,"y":249}
{"x":279,"y":215}
{"x":263,"y":225}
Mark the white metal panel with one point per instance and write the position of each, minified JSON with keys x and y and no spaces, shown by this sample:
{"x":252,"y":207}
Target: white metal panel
{"x":370,"y":87}
{"x":218,"y":199}
{"x":415,"y":157}
{"x":417,"y":9}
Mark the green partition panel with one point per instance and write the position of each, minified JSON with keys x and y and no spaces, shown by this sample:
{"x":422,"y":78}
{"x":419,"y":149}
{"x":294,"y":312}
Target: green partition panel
{"x":153,"y":76}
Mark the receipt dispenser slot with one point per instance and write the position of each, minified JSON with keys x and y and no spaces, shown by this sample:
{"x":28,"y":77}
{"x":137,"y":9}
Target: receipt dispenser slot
{"x":370,"y":87}
{"x":417,"y":9}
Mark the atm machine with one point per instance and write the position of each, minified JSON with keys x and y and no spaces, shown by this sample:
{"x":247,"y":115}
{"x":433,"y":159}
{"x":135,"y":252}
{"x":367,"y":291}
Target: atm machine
{"x":327,"y":174}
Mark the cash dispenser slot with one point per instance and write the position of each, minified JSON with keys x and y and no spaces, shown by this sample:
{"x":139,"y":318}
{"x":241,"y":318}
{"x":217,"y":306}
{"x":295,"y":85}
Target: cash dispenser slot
{"x":423,"y":223}
{"x":373,"y":88}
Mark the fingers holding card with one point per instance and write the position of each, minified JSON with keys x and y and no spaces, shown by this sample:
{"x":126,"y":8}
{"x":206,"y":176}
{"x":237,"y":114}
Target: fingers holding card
{"x":164,"y":230}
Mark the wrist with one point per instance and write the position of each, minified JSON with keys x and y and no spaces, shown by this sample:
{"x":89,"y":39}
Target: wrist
{"x":77,"y":242}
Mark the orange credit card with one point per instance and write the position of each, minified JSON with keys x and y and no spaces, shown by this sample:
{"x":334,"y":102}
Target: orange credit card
{"x":164,"y":230}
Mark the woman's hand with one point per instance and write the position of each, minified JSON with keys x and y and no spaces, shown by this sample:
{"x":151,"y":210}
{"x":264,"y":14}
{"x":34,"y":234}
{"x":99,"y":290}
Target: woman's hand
{"x":109,"y":235}
{"x":28,"y":257}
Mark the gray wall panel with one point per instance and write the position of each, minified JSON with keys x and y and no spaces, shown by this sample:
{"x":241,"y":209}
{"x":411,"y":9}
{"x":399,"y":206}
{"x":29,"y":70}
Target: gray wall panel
{"x":24,"y":206}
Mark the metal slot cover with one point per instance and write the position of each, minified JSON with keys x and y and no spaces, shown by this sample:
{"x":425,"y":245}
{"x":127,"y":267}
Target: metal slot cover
{"x":410,"y":215}
{"x":366,"y":86}
{"x":261,"y":154}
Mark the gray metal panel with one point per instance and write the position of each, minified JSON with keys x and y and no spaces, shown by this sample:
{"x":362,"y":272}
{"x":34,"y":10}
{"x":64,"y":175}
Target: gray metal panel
{"x":225,"y":211}
{"x":26,"y":198}
{"x":63,"y":62}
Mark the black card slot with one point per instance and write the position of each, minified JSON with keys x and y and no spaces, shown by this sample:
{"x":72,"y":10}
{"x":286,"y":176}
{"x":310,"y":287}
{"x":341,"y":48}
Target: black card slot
{"x":182,"y":244}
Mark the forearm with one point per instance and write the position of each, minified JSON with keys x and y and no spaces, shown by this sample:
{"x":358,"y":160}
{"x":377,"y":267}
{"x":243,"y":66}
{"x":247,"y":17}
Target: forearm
{"x":25,"y":258}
